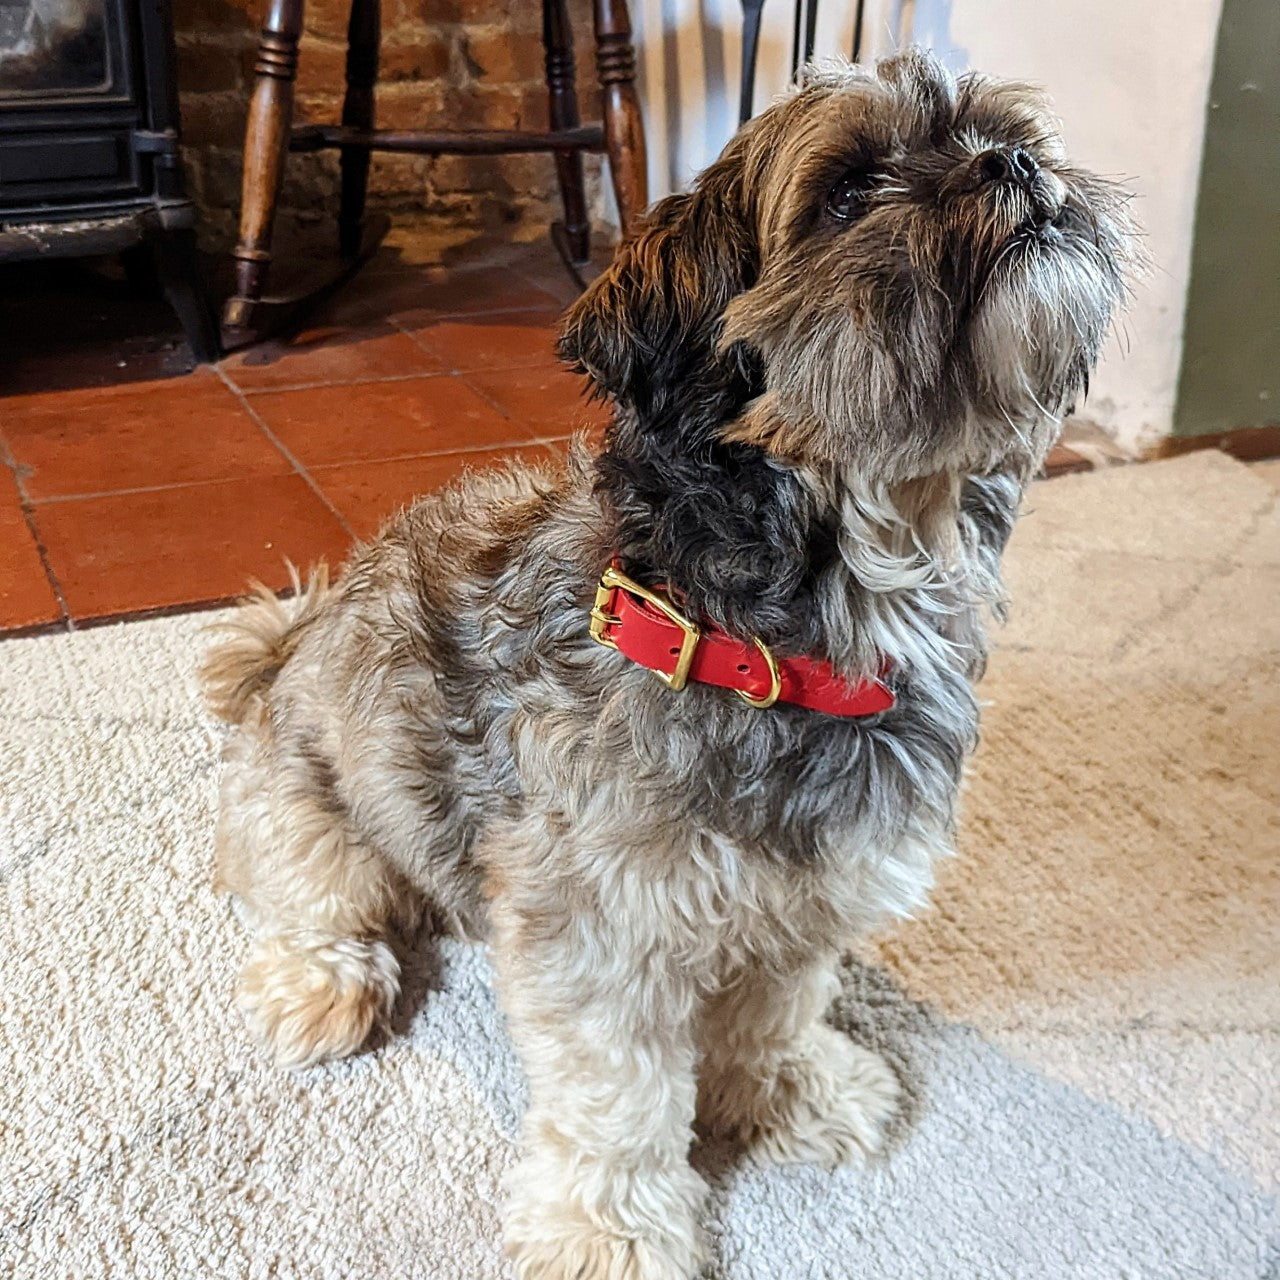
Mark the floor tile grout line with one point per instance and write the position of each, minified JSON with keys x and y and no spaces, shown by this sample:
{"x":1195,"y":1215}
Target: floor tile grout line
{"x":429,"y":316}
{"x":462,"y":373}
{"x":28,"y":516}
{"x":353,"y":382}
{"x":432,"y":313}
{"x":431,"y":453}
{"x":56,"y":498}
{"x":501,"y":409}
{"x":419,"y":274}
{"x":287,"y":454}
{"x":444,"y":372}
{"x":537,"y":284}
{"x":58,"y":627}
{"x":547,"y":445}
{"x":105,"y":391}
{"x":443,"y":313}
{"x":150,"y":613}
{"x":551,"y":303}
{"x":179,"y":609}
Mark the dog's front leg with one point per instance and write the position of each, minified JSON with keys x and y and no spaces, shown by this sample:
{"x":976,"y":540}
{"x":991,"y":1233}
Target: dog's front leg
{"x":604,"y":1023}
{"x":778,"y":1078}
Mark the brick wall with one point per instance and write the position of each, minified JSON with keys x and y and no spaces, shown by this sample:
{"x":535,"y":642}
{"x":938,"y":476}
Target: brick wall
{"x":445,"y":64}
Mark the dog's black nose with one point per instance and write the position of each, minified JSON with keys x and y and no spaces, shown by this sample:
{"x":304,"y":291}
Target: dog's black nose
{"x":1008,"y":164}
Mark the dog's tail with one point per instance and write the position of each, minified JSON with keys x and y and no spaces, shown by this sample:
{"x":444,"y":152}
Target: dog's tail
{"x":257,"y":641}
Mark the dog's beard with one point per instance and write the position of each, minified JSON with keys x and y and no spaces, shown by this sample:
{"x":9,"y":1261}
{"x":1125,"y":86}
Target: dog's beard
{"x":943,"y":323}
{"x":951,"y":324}
{"x":771,"y":358}
{"x":959,"y":367}
{"x":1042,"y":313}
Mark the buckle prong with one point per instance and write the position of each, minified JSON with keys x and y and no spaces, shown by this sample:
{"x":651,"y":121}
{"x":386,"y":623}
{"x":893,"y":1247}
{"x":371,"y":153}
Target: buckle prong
{"x":611,"y":580}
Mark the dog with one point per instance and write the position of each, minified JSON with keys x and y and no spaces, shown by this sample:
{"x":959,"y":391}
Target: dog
{"x":670,"y":728}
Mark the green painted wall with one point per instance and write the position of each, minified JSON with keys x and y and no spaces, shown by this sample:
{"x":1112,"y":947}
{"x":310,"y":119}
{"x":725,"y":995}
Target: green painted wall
{"x":1231,"y":349}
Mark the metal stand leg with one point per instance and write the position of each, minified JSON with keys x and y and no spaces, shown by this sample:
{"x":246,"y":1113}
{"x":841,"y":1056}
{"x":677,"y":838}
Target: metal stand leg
{"x":364,"y":33}
{"x":751,"y":14}
{"x":179,"y":270}
{"x":804,"y":35}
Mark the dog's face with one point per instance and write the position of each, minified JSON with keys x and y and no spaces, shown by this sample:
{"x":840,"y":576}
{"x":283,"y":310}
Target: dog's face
{"x":906,"y":267}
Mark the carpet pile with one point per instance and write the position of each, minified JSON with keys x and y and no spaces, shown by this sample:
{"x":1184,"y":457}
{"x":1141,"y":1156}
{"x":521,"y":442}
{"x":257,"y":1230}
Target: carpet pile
{"x":1087,"y":1022}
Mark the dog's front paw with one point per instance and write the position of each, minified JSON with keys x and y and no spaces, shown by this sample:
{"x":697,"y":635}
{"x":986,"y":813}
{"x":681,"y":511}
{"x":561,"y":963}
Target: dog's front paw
{"x":647,"y":1231}
{"x":828,"y":1102}
{"x":310,"y":998}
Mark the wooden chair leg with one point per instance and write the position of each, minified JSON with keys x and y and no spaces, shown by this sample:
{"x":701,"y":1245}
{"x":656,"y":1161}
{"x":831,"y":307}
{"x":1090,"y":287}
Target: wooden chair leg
{"x":623,"y":125}
{"x":557,"y":40}
{"x":266,"y":144}
{"x":364,"y":34}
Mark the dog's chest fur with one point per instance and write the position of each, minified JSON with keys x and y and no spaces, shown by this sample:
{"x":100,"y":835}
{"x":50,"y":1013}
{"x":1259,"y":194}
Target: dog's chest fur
{"x":464,"y":711}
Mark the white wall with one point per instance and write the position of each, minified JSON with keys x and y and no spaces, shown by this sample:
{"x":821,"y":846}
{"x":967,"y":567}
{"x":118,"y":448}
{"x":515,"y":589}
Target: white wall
{"x":1130,"y":79}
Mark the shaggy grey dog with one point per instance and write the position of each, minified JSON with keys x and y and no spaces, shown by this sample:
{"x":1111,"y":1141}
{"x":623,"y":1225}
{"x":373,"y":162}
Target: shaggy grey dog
{"x":835,"y":365}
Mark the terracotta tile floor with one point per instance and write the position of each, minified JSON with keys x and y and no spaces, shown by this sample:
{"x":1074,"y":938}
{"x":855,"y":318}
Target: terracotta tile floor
{"x":135,"y":484}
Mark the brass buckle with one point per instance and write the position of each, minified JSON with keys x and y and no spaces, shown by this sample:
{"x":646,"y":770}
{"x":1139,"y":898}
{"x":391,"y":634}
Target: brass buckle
{"x":775,"y":680}
{"x":610,"y":581}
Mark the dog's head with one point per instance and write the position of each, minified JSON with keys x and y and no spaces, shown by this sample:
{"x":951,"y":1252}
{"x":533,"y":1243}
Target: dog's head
{"x":895,"y":269}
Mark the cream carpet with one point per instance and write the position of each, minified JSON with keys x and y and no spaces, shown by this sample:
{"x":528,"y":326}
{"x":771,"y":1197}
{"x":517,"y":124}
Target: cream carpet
{"x":1086,"y":1022}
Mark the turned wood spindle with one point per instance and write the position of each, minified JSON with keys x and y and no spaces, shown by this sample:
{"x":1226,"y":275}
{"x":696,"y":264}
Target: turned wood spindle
{"x":269,"y":137}
{"x":266,"y":143}
{"x":623,"y":126}
{"x":557,"y":39}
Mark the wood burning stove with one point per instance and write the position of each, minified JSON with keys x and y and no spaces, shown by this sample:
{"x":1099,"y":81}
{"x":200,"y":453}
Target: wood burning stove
{"x":89,"y":159}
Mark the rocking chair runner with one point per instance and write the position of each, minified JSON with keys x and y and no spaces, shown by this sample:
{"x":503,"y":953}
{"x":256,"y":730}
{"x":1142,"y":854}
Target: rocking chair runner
{"x":269,"y":135}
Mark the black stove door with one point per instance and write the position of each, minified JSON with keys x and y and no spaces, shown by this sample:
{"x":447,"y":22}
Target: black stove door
{"x":68,"y":107}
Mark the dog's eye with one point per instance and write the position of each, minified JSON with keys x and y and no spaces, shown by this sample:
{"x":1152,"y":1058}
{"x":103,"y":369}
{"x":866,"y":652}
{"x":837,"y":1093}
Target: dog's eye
{"x":847,"y":200}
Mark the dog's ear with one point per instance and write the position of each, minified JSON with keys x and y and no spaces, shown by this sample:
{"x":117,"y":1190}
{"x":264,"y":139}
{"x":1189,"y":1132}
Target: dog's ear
{"x":653,"y":317}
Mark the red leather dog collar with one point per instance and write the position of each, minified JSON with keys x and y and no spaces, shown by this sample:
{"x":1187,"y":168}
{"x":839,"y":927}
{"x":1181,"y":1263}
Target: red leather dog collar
{"x":646,"y":627}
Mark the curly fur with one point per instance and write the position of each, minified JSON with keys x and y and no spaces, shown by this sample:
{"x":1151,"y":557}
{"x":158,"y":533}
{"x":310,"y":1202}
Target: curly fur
{"x":238,"y":674}
{"x":821,"y":437}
